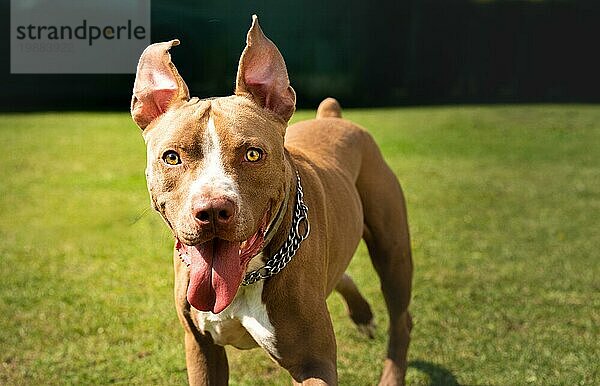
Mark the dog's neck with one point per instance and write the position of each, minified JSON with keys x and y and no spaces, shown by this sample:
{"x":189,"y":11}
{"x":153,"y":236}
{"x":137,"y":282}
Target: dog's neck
{"x":281,"y":226}
{"x":281,"y":212}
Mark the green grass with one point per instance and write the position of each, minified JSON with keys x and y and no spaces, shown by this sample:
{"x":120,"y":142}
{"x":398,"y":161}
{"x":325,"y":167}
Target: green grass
{"x":504,"y":205}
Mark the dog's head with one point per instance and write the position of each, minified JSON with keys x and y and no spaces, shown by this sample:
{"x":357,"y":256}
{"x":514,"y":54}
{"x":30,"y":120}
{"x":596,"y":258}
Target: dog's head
{"x":216,"y":168}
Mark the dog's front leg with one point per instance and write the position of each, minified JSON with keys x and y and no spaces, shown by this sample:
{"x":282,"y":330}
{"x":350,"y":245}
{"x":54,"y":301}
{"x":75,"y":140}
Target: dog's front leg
{"x":305,"y":340}
{"x":311,"y":359}
{"x":206,"y":362}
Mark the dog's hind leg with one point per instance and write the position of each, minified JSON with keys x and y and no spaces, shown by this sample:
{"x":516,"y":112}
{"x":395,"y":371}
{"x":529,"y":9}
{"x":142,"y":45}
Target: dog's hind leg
{"x":359,"y":309}
{"x":387,"y":237}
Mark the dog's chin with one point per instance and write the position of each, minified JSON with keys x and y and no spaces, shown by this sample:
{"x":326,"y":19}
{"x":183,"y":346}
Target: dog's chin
{"x":217,"y":268}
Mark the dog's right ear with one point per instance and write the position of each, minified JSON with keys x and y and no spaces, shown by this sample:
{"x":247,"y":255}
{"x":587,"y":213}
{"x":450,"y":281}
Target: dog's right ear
{"x":157,"y":84}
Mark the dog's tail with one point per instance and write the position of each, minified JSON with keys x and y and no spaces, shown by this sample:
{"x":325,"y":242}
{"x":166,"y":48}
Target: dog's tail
{"x":329,"y":108}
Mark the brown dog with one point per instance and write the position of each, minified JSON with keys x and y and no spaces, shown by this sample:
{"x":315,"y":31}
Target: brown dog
{"x":267,"y":217}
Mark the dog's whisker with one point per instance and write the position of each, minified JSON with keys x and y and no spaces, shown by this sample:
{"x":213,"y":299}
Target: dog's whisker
{"x":140,"y":215}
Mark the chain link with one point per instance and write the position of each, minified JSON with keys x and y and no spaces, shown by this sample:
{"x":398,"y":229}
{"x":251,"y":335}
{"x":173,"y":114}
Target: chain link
{"x":280,"y":259}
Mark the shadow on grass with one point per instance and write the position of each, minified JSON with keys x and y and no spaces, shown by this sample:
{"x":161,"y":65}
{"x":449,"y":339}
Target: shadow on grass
{"x":438,"y":375}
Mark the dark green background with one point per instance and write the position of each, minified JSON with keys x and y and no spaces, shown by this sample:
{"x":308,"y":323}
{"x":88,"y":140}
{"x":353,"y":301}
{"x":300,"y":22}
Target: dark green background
{"x":365,"y":53}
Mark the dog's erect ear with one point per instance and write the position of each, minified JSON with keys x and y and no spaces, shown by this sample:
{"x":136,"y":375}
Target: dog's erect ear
{"x":263,"y":76}
{"x":157,"y":84}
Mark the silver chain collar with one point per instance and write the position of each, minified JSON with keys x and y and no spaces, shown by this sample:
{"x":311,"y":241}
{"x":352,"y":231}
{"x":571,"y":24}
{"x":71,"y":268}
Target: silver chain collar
{"x":284,"y":255}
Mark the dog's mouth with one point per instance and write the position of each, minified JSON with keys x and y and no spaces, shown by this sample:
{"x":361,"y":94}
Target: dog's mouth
{"x":217,"y":268}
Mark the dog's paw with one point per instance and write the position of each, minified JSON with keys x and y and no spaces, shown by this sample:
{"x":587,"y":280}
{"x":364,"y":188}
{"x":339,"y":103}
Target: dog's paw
{"x":367,"y":329}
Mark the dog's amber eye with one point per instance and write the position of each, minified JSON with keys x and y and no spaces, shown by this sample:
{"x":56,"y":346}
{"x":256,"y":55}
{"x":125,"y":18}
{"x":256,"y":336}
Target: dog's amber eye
{"x":253,"y":154}
{"x":171,"y":158}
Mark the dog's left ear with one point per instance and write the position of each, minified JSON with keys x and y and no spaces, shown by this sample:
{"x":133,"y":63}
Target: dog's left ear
{"x":262,"y":74}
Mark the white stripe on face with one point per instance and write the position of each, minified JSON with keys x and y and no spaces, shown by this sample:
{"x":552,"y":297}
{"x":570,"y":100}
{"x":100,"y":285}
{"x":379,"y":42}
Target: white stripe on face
{"x":213,"y":181}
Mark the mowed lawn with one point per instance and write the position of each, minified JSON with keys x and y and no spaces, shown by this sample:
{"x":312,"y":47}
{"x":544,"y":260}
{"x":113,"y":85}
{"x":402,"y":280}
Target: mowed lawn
{"x":504,"y":206}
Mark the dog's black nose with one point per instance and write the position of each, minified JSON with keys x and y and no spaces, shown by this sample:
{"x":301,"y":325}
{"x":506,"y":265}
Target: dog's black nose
{"x":219,"y":211}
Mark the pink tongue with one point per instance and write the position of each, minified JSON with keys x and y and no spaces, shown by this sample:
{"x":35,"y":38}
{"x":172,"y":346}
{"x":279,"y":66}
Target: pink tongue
{"x":215,"y":274}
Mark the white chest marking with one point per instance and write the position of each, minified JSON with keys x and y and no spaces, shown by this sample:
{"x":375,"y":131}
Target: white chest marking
{"x":245,"y":315}
{"x":213,"y":180}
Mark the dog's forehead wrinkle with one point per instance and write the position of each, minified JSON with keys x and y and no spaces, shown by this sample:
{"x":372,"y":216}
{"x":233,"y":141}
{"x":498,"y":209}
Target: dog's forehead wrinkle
{"x":238,"y":128}
{"x":181,"y":128}
{"x":212,"y":142}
